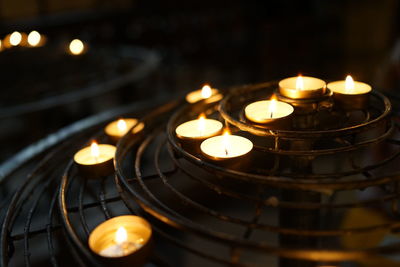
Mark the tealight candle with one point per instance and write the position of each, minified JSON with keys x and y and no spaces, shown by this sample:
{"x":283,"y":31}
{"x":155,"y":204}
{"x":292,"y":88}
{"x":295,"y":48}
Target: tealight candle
{"x":117,"y":129}
{"x":226,"y":146}
{"x":96,"y":160}
{"x":271,"y":113}
{"x":122,"y":241}
{"x":302,"y":87}
{"x":15,"y":39}
{"x":349,"y":94}
{"x":211,"y":94}
{"x":35,"y":39}
{"x":191,"y":133}
{"x":76,"y":47}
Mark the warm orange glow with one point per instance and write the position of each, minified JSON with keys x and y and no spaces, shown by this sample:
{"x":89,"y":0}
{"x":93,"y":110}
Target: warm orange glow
{"x":94,"y":150}
{"x":272,"y":106}
{"x":206,"y":91}
{"x":121,"y":125}
{"x":299,"y":83}
{"x":121,"y":235}
{"x":349,"y":84}
{"x":202,"y":123}
{"x":225,"y":141}
{"x":76,"y":47}
{"x":15,"y":38}
{"x":34,"y":38}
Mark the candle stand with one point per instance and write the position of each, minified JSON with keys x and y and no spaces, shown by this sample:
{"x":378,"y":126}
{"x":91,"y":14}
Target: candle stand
{"x":290,"y":206}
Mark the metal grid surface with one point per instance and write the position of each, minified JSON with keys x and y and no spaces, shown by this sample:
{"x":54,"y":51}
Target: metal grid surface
{"x":288,"y":207}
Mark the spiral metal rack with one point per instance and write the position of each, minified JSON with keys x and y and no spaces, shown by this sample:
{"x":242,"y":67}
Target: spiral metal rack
{"x":288,"y":204}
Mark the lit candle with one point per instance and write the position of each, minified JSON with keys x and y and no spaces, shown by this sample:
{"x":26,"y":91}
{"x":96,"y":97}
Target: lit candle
{"x":226,"y":146}
{"x":199,"y":129}
{"x":272,"y":113}
{"x":96,"y":160}
{"x":350,"y":94}
{"x":15,"y":39}
{"x":122,"y":240}
{"x":211,"y":94}
{"x":35,"y":39}
{"x":302,"y":87}
{"x":76,"y":47}
{"x":192,"y":133}
{"x":117,"y":129}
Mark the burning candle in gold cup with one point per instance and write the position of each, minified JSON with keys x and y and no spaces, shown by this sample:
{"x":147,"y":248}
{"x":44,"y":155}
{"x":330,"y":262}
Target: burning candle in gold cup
{"x":76,"y":47}
{"x":349,"y":94}
{"x":271,"y":113}
{"x":15,"y":39}
{"x":231,"y":151}
{"x":122,"y":241}
{"x":302,"y":87}
{"x":35,"y":39}
{"x":117,"y":129}
{"x":192,"y":133}
{"x":206,"y":92}
{"x":95,"y":160}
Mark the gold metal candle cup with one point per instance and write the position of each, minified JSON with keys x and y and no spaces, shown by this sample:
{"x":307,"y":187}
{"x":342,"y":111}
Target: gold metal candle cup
{"x":354,"y":99}
{"x":313,"y":88}
{"x":103,"y":236}
{"x":114,"y":133}
{"x":91,"y":169}
{"x":190,"y":137}
{"x":239,"y":151}
{"x":258,"y":113}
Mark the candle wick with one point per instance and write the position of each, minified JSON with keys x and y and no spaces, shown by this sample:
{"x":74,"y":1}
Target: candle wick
{"x":271,"y":114}
{"x":226,"y":151}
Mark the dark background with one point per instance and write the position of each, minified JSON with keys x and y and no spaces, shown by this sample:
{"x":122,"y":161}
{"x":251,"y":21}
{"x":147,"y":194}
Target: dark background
{"x":224,"y":43}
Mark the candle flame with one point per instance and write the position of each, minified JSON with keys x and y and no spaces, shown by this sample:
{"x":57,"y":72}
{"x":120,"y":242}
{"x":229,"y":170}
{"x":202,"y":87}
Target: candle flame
{"x":121,"y":125}
{"x":201,"y":125}
{"x":299,"y":83}
{"x":94,"y":150}
{"x":206,"y":91}
{"x":225,"y":141}
{"x":34,"y":38}
{"x":121,"y":235}
{"x":272,"y":106}
{"x":349,"y":84}
{"x":15,"y":38}
{"x":76,"y":47}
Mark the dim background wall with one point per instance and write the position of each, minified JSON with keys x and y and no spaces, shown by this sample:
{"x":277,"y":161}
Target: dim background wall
{"x":223,"y":43}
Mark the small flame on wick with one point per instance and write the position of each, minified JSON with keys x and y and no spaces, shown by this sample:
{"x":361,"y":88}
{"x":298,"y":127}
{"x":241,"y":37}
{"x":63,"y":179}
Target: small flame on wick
{"x":15,"y":38}
{"x":201,"y":124}
{"x":76,"y":47}
{"x":299,"y":82}
{"x":121,"y":235}
{"x":225,"y":140}
{"x":121,"y":125}
{"x":206,"y":91}
{"x":94,"y":149}
{"x":34,"y":38}
{"x":272,"y":106}
{"x":349,"y":84}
